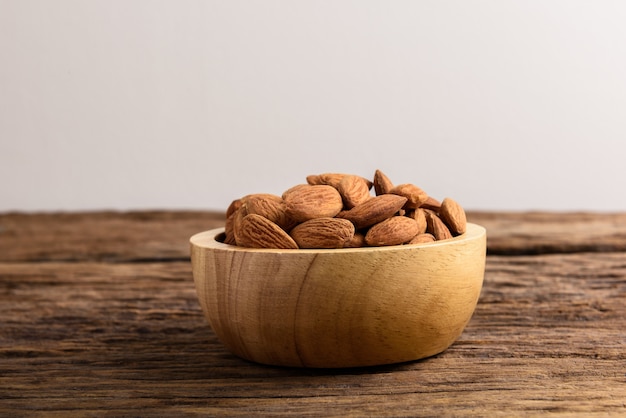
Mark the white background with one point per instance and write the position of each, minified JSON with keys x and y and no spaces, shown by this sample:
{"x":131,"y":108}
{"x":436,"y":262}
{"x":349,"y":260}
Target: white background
{"x":502,"y":105}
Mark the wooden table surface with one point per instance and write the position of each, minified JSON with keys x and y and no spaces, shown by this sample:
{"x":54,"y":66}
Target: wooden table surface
{"x":99,"y":317}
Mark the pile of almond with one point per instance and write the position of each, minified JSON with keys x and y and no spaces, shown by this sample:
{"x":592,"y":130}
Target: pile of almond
{"x":335,"y":210}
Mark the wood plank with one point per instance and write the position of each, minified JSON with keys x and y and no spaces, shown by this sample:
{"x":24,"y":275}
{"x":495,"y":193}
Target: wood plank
{"x":552,"y":232}
{"x":129,"y":339}
{"x":163,"y":235}
{"x":102,"y":236}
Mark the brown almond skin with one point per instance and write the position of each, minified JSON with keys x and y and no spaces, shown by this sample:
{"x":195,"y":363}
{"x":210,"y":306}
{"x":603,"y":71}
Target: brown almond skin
{"x":420,"y":217}
{"x":382,"y":184}
{"x":292,"y":189}
{"x":234,"y":205}
{"x":422,"y":239}
{"x":453,"y":215}
{"x":357,"y":241}
{"x":415,"y":196}
{"x":332,"y":179}
{"x":229,"y":235}
{"x":307,"y":201}
{"x":374,"y":210}
{"x":436,"y":226}
{"x":259,"y":232}
{"x":329,"y":179}
{"x":271,"y":207}
{"x":323,"y":233}
{"x":392,"y":231}
{"x":313,"y":179}
{"x":354,"y":190}
{"x":432,"y":204}
{"x":233,"y":223}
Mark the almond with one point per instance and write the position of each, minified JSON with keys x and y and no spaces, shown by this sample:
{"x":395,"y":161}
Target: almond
{"x":392,"y":231}
{"x":314,"y":179}
{"x":234,"y":205}
{"x":354,"y":190}
{"x":235,"y":222}
{"x":453,"y":215}
{"x":357,"y":241}
{"x":431,"y":203}
{"x":307,"y":201}
{"x":259,"y":232}
{"x":382,"y":184}
{"x":229,"y":237}
{"x":229,"y":234}
{"x":422,"y":238}
{"x":415,"y":196}
{"x":271,"y":207}
{"x":323,"y":233}
{"x":436,"y":226}
{"x":332,"y":179}
{"x":420,"y":217}
{"x":374,"y":210}
{"x":337,"y":210}
{"x":329,"y":179}
{"x":294,"y":188}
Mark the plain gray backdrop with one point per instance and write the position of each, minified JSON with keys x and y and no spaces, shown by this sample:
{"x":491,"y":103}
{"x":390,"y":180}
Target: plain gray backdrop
{"x":502,"y":105}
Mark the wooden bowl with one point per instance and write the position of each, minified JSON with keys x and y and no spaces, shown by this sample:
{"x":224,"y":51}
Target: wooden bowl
{"x":339,"y":307}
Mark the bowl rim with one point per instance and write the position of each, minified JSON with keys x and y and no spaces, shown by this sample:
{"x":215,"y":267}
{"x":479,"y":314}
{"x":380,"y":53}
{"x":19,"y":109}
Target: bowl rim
{"x":208,"y":240}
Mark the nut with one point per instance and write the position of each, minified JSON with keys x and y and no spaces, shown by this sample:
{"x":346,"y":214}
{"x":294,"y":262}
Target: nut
{"x":306,"y":202}
{"x":329,"y":179}
{"x":259,"y":232}
{"x":357,"y":241}
{"x":422,"y":238}
{"x":453,"y":215}
{"x":382,"y":184}
{"x":420,"y":217}
{"x":392,"y":231}
{"x":354,"y":190}
{"x":374,"y":210}
{"x":436,"y":226}
{"x":432,"y":204}
{"x":271,"y":207}
{"x":415,"y":196}
{"x":323,"y":233}
{"x":234,"y":205}
{"x":233,"y":224}
{"x":337,"y":210}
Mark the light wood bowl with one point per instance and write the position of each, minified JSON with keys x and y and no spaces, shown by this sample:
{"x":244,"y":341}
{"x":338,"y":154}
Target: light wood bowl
{"x":339,"y":307}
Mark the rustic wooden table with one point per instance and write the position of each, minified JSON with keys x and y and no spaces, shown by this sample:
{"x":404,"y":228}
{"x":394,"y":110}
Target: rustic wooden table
{"x":98,"y":316}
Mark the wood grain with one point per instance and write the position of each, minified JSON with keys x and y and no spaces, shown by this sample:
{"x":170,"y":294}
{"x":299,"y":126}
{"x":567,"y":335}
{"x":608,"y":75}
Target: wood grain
{"x":339,"y":308}
{"x":116,"y":330}
{"x":162,"y":235}
{"x":519,"y":233}
{"x":102,"y":236}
